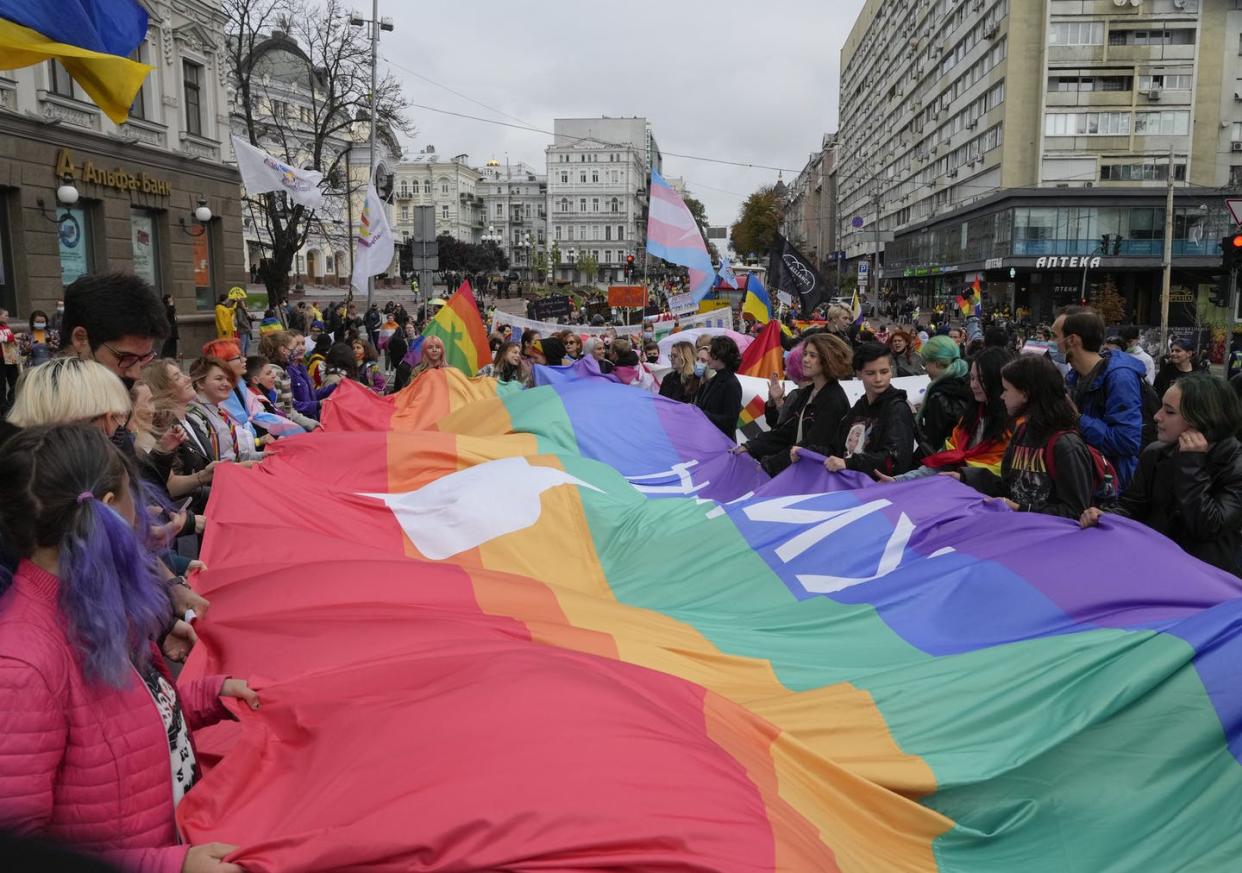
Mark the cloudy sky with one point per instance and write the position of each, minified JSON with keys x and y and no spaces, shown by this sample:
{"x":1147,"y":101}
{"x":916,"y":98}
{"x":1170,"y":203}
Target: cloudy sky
{"x":745,"y":82}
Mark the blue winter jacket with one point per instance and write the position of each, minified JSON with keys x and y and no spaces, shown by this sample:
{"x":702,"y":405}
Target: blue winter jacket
{"x":1112,"y":412}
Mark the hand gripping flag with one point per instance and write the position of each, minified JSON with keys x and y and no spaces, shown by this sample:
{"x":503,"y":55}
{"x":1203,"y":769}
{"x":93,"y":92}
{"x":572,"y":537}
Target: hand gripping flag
{"x":92,"y":39}
{"x":673,"y":234}
{"x":373,"y":247}
{"x":461,"y":329}
{"x":758,"y":304}
{"x":790,"y":271}
{"x":261,"y":173}
{"x":726,"y":274}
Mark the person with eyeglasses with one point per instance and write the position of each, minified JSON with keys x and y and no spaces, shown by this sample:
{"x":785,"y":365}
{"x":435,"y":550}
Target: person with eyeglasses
{"x":114,"y":319}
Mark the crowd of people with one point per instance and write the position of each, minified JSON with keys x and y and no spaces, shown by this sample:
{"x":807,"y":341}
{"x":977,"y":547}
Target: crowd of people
{"x":109,"y":448}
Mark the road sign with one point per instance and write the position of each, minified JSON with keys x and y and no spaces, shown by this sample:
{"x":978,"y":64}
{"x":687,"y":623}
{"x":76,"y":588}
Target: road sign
{"x":864,"y":269}
{"x":1234,"y":205}
{"x":857,"y":222}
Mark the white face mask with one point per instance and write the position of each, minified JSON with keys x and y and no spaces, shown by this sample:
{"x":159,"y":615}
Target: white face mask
{"x":699,"y":368}
{"x":39,"y":325}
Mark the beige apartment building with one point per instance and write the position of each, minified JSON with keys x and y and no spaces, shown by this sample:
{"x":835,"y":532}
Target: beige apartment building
{"x":1027,"y":143}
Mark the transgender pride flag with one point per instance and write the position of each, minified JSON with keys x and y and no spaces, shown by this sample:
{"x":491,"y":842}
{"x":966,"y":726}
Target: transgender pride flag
{"x":673,"y":235}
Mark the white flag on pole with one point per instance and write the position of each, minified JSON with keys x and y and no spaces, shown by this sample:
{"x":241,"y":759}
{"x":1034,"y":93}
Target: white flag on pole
{"x":261,"y":173}
{"x":373,"y":247}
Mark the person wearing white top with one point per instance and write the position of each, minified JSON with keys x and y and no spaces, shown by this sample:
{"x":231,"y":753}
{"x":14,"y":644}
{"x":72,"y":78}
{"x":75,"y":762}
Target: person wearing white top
{"x":1130,"y":336}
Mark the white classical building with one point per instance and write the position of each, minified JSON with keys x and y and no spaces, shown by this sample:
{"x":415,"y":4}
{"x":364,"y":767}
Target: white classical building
{"x":515,"y":209}
{"x":282,"y":104}
{"x":450,"y":185}
{"x":599,"y":171}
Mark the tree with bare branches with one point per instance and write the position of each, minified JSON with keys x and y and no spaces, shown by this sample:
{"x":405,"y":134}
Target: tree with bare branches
{"x":300,"y":89}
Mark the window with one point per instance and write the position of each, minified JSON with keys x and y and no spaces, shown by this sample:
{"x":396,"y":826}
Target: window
{"x":500,"y":210}
{"x":204,"y":275}
{"x":595,"y":175}
{"x":595,"y":204}
{"x":608,"y":232}
{"x":426,"y":187}
{"x":1235,"y":180}
{"x":582,"y":177}
{"x":1087,"y":124}
{"x":582,"y":204}
{"x":1170,"y":122}
{"x":1166,"y":82}
{"x":569,"y":232}
{"x":144,"y":246}
{"x":1181,"y":36}
{"x":1237,"y":131}
{"x":59,"y":81}
{"x":564,"y":178}
{"x":1148,"y":172}
{"x":444,"y":187}
{"x":1076,"y":33}
{"x":405,"y":213}
{"x":192,"y":77}
{"x":620,"y":232}
{"x":556,"y":231}
{"x":564,"y":204}
{"x":444,"y":212}
{"x":607,"y":256}
{"x":138,"y":109}
{"x":616,"y":205}
{"x":8,"y":294}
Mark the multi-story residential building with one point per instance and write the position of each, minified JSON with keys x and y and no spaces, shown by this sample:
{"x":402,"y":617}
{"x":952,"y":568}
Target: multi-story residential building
{"x":599,"y":172}
{"x":283,"y":85}
{"x":450,"y":185}
{"x":1018,"y":141}
{"x":138,"y":184}
{"x":515,"y":207}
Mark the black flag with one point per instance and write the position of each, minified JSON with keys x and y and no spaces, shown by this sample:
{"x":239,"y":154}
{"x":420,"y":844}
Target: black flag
{"x":791,"y":272}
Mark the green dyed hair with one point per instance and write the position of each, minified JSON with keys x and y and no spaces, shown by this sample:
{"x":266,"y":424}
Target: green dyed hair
{"x":943,"y":351}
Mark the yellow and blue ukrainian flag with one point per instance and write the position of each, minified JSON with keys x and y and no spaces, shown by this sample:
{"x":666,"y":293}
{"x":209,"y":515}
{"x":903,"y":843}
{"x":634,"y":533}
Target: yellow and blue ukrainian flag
{"x":757,"y":301}
{"x":91,"y":38}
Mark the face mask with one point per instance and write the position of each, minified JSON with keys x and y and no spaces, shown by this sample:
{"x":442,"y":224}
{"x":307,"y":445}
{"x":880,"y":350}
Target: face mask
{"x":39,"y":325}
{"x":699,"y":368}
{"x":652,"y":357}
{"x":647,"y":334}
{"x":60,"y":307}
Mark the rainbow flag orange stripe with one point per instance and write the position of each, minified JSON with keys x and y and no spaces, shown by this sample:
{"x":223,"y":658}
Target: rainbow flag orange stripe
{"x":459,"y":325}
{"x":567,"y":628}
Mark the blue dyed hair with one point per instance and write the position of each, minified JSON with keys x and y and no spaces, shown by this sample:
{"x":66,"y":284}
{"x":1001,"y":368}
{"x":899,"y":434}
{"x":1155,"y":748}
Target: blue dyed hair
{"x":52,"y":483}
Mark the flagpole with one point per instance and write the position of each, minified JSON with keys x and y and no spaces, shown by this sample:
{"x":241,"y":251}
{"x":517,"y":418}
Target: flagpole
{"x":375,"y":26}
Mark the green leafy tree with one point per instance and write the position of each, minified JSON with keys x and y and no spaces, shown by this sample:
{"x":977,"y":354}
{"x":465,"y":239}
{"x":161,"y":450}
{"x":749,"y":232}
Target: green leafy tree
{"x":1108,"y":302}
{"x":757,"y":223}
{"x":589,"y":267}
{"x":539,"y":265}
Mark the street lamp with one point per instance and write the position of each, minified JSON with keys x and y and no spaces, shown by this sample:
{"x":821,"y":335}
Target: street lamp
{"x":202,"y":215}
{"x":377,"y":24}
{"x":66,"y":195}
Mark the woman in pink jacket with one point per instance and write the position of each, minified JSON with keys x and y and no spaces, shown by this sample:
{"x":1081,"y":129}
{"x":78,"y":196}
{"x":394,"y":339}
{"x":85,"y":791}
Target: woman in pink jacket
{"x":95,"y":746}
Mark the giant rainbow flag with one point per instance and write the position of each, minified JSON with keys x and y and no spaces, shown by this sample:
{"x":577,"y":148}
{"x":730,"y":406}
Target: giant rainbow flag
{"x":565,"y":629}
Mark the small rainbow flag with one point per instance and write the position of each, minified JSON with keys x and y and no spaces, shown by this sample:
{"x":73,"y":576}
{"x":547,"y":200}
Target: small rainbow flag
{"x":459,"y":325}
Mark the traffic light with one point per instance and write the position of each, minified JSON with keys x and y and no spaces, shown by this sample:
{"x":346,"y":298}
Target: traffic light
{"x":1231,"y":252}
{"x":629,"y":266}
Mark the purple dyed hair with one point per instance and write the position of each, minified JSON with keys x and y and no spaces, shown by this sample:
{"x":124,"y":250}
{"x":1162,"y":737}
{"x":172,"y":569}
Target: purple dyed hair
{"x":793,"y":364}
{"x":112,"y":602}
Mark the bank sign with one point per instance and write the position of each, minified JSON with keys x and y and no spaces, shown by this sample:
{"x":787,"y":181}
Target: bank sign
{"x":116,"y":177}
{"x":1071,"y":262}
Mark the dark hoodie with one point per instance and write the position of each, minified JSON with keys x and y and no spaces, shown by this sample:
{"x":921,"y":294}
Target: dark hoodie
{"x":879,"y":435}
{"x":1025,"y":479}
{"x":946,"y":402}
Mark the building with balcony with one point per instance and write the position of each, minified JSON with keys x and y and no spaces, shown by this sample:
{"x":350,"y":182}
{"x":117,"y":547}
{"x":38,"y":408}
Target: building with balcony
{"x":599,"y":173}
{"x":139,"y":182}
{"x":1020,"y":131}
{"x":515,"y":207}
{"x":450,"y":185}
{"x":810,"y":217}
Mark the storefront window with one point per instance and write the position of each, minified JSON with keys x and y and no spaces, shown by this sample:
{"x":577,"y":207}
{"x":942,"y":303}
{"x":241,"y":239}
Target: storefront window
{"x":145,"y":246}
{"x":204,"y":290}
{"x":75,"y":244}
{"x":8,"y":294}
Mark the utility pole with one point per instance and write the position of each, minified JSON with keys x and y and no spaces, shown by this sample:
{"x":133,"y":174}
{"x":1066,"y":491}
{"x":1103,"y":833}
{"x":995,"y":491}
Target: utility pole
{"x":875,"y":232}
{"x":1166,"y":281}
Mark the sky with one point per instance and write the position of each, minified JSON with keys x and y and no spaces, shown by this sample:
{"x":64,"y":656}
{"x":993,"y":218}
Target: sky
{"x":746,"y":82}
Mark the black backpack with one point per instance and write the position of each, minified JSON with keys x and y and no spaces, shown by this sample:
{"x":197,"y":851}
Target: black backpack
{"x":1150,"y":402}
